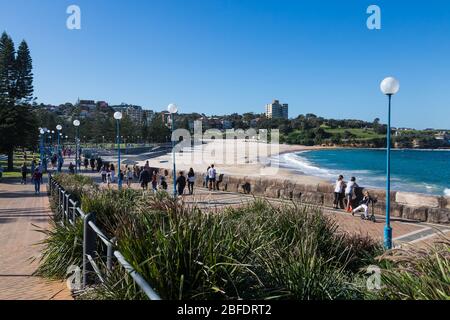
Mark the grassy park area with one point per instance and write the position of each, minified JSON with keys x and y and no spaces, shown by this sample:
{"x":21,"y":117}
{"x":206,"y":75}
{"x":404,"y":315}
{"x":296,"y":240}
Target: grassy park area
{"x":18,"y":161}
{"x":356,"y":133}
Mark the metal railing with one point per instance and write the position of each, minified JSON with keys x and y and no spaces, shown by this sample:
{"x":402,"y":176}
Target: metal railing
{"x":69,"y":211}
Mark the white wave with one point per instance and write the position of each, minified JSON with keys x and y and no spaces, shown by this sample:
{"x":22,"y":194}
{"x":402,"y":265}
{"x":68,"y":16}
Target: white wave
{"x":447,"y":192}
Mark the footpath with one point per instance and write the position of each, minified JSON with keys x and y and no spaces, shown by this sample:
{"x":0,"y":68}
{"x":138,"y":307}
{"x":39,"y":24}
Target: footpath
{"x":20,"y":211}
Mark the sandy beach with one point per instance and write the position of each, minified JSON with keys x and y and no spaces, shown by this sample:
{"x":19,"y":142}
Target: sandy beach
{"x":237,"y":157}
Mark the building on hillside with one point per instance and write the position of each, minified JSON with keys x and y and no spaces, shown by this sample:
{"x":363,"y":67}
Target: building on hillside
{"x":275,"y":110}
{"x":442,"y":135}
{"x":87,"y":105}
{"x":148,"y":116}
{"x":135,"y":113}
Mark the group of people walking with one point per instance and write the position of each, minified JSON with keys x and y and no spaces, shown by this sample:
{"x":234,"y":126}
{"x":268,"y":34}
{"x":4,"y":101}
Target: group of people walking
{"x":345,"y":191}
{"x":36,"y":171}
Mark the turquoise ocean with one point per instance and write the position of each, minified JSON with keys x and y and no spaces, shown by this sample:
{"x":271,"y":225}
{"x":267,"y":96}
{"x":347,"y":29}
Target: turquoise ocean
{"x":422,"y":171}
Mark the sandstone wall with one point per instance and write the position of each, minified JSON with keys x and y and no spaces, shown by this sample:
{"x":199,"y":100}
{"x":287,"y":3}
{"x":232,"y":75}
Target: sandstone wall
{"x":413,"y":206}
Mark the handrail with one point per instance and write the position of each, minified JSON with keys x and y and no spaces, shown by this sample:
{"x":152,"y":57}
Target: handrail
{"x":137,"y":277}
{"x":110,"y":243}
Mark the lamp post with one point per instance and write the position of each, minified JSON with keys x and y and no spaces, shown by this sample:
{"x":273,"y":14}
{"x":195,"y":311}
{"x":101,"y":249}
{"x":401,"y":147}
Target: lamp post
{"x":41,"y":145}
{"x":389,"y":86}
{"x":118,"y":117}
{"x":173,"y":109}
{"x":76,"y":123}
{"x":58,"y":132}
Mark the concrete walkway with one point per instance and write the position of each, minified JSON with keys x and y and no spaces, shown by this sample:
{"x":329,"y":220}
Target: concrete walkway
{"x":404,"y":231}
{"x":20,"y":209}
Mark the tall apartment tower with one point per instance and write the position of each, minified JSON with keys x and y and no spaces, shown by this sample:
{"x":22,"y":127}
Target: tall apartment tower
{"x":275,"y":110}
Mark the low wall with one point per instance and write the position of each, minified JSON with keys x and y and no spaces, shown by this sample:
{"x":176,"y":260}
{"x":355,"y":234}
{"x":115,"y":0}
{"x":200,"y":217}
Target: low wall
{"x":411,"y":206}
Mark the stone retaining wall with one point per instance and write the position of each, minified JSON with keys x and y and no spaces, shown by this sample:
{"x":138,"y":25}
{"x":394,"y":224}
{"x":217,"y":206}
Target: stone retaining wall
{"x":412,"y":206}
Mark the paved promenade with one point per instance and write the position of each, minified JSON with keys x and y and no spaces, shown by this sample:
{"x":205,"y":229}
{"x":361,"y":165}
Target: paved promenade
{"x":404,"y":231}
{"x":20,"y":209}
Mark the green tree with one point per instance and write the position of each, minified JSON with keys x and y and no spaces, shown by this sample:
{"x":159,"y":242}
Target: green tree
{"x":7,"y":71}
{"x":24,"y":82}
{"x":18,"y":125}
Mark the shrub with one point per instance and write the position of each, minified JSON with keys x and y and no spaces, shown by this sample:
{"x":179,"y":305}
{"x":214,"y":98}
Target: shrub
{"x":63,"y":247}
{"x":416,"y":273}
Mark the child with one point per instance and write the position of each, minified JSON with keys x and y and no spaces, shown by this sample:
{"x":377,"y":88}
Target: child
{"x":364,"y":205}
{"x":349,"y":193}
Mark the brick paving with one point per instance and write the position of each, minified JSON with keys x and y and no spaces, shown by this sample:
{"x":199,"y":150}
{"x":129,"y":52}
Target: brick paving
{"x":20,"y":209}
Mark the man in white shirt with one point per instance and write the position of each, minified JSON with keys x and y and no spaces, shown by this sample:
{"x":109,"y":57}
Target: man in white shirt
{"x":212,"y":178}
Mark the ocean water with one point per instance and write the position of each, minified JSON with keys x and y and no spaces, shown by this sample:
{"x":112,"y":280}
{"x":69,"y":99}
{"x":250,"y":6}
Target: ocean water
{"x":422,"y":171}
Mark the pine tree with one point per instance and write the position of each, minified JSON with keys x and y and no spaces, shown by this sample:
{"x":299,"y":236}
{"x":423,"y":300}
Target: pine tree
{"x":18,"y":126}
{"x":8,"y":72}
{"x":24,"y":82}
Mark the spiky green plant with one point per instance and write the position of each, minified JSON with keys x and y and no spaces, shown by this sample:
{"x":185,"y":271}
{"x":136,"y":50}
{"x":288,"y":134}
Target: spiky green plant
{"x":62,"y":248}
{"x":416,"y":273}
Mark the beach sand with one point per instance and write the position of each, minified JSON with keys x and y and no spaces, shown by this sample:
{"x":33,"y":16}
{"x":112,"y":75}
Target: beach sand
{"x":235,"y":157}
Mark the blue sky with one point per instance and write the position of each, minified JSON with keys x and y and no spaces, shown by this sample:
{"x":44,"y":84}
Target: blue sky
{"x":224,"y":56}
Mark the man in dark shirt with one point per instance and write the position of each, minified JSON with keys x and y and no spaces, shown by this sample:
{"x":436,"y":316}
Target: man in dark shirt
{"x":144,"y":179}
{"x":181,"y":183}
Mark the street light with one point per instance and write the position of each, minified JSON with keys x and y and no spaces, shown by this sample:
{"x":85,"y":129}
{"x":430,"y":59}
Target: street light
{"x":59,"y":128}
{"x":389,"y":86}
{"x":41,"y":148}
{"x":173,"y":109}
{"x":76,"y":123}
{"x":118,"y":117}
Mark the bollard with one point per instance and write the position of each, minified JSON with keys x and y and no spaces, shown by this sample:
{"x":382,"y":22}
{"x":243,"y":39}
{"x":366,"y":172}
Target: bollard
{"x":89,"y":248}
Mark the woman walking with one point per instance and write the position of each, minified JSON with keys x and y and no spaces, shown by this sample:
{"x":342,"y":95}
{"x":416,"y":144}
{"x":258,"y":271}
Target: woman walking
{"x":191,"y":181}
{"x":37,"y":176}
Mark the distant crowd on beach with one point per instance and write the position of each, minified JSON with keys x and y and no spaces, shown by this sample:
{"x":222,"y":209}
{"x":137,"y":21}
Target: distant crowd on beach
{"x":148,"y":177}
{"x":345,"y":198}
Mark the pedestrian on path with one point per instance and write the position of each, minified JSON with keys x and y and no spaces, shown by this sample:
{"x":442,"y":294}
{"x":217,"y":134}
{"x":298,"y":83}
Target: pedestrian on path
{"x":129,"y":177}
{"x":37,"y":176}
{"x":181,"y":183}
{"x":103,"y":174}
{"x":339,"y":188}
{"x":191,"y":180}
{"x":212,"y":178}
{"x":349,"y":190}
{"x":155,"y":181}
{"x":24,"y":171}
{"x":112,"y":171}
{"x":144,"y":179}
{"x":164,"y":179}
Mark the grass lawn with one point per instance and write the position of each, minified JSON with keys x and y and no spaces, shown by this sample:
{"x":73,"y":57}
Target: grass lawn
{"x":18,"y":161}
{"x":359,"y":133}
{"x":11,"y":175}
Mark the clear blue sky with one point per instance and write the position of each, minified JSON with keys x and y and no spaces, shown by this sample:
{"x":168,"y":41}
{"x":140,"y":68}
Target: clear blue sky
{"x":224,"y":56}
